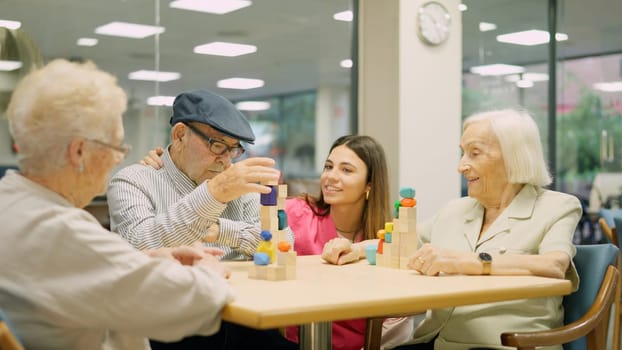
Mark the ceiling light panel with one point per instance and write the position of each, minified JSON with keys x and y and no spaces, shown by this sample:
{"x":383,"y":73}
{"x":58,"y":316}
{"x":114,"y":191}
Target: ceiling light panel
{"x":253,"y":105}
{"x":7,"y":66}
{"x":219,"y":7}
{"x":497,"y":69}
{"x":10,"y":24}
{"x":128,"y":30}
{"x":87,"y":42}
{"x":220,"y":48}
{"x":345,"y":16}
{"x":161,"y":100}
{"x":486,"y":27}
{"x":240,"y":83}
{"x":152,"y":75}
{"x":529,"y":37}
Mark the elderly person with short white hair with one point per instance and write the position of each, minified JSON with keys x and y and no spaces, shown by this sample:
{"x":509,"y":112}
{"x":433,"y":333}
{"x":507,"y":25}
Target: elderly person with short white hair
{"x":508,"y":225}
{"x":66,"y":282}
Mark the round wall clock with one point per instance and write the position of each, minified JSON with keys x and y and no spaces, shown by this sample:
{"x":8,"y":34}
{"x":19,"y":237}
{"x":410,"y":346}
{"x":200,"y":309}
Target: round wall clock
{"x":433,"y":23}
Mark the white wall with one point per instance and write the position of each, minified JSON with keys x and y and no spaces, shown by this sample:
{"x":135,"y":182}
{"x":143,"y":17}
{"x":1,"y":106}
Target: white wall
{"x":409,"y":99}
{"x":332,"y":119}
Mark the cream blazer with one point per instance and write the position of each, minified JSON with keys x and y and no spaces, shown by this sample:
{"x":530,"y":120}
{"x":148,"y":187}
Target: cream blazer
{"x":536,"y":222}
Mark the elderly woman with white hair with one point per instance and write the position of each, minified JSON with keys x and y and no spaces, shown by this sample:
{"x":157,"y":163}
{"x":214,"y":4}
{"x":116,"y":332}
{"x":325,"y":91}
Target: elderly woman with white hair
{"x":66,"y":282}
{"x":508,"y":225}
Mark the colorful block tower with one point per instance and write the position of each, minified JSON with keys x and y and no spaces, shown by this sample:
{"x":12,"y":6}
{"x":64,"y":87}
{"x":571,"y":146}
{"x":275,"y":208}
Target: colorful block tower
{"x":399,"y":238}
{"x":270,"y":263}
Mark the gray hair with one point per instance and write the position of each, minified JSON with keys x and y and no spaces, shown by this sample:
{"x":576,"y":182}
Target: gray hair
{"x":521,"y":147}
{"x":53,"y":105}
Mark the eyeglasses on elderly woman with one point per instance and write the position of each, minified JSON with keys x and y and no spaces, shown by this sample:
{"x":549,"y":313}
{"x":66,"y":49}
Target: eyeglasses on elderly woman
{"x":121,"y":151}
{"x":216,"y":146}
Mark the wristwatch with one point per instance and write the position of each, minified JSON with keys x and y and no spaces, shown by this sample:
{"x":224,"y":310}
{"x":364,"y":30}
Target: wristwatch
{"x":486,"y":260}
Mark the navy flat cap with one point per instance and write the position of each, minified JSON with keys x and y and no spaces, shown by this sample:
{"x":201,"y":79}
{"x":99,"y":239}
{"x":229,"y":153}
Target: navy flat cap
{"x":205,"y":107}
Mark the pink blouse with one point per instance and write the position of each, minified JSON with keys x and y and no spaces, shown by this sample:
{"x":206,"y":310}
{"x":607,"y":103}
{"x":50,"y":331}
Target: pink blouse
{"x":311,"y":232}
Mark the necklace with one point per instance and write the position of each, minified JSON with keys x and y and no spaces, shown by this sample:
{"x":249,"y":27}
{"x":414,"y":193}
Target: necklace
{"x":345,"y":234}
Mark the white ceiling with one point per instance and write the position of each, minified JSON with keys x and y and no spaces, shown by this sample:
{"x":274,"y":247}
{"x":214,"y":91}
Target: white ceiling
{"x":299,"y":43}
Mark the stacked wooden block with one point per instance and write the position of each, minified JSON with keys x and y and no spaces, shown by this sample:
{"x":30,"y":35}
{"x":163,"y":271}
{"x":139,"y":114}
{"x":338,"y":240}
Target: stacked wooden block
{"x":398,"y":240}
{"x":274,"y":262}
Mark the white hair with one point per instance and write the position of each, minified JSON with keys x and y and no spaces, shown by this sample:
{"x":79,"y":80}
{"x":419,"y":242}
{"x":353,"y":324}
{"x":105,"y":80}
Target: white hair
{"x":521,"y":147}
{"x":57,"y":103}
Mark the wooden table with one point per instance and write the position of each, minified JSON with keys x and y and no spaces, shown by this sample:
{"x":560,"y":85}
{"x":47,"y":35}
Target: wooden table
{"x":322,"y":293}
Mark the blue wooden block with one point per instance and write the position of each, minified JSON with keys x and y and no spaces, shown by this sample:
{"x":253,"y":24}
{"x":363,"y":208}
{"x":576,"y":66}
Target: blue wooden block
{"x":370,"y":253}
{"x":282,"y":219}
{"x":266,"y":235}
{"x":407,"y":192}
{"x":388,"y":237}
{"x":261,"y":259}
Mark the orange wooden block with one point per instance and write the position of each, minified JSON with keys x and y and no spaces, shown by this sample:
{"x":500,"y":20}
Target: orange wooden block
{"x":284,"y":246}
{"x":408,"y":202}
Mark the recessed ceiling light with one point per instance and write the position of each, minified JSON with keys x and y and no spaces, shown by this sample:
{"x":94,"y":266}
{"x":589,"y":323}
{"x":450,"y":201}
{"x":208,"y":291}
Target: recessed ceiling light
{"x":8,"y":66}
{"x":253,"y":105}
{"x":210,"y":6}
{"x":87,"y":42}
{"x":160,"y":100}
{"x":462,"y":7}
{"x":128,"y":30}
{"x":527,"y":76}
{"x":486,"y":27}
{"x":345,"y":16}
{"x":611,"y":86}
{"x":529,"y":37}
{"x":240,"y":83}
{"x":10,"y":24}
{"x":524,"y":84}
{"x":346,"y":63}
{"x":497,"y":69}
{"x":152,"y":75}
{"x":220,"y":48}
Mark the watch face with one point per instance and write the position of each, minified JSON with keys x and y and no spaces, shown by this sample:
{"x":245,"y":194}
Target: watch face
{"x":434,"y":21}
{"x":485,"y":257}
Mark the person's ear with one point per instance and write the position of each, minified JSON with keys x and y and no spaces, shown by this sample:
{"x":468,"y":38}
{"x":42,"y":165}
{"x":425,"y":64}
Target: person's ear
{"x":178,"y":132}
{"x":75,"y":152}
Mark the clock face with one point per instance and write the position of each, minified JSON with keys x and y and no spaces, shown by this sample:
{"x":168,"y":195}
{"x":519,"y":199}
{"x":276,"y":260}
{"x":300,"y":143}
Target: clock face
{"x":434,"y":21}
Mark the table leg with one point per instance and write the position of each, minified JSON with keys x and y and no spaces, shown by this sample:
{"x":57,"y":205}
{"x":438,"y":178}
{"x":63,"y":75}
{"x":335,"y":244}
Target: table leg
{"x":315,"y":336}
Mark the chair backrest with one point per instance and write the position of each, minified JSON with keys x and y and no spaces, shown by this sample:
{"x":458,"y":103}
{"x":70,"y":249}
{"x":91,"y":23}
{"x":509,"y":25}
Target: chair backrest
{"x":609,"y":215}
{"x":591,"y":262}
{"x":617,"y":223}
{"x":8,"y":340}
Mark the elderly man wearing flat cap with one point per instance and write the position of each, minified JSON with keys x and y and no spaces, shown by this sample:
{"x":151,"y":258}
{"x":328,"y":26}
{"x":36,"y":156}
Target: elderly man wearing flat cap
{"x":198,"y":195}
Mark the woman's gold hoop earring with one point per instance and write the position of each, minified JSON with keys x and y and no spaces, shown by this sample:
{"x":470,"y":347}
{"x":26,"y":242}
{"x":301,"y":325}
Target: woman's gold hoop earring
{"x":366,"y":195}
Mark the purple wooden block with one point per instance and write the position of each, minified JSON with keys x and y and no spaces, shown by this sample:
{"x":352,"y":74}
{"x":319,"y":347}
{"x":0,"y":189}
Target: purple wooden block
{"x":270,"y":198}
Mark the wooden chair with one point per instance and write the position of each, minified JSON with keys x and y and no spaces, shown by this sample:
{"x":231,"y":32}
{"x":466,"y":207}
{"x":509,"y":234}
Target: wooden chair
{"x":7,"y":340}
{"x":586,"y":315}
{"x":608,"y":227}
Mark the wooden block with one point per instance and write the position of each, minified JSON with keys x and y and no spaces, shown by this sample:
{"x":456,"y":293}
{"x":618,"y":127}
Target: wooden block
{"x":379,"y":259}
{"x":395,"y":262}
{"x":258,"y":272}
{"x":407,"y":213}
{"x":286,"y":258}
{"x":408,"y":244}
{"x":269,"y":198}
{"x":279,"y":235}
{"x":276,"y":273}
{"x":395,"y":238}
{"x":280,"y":203}
{"x":282,"y":191}
{"x":282,"y":216}
{"x":269,"y":218}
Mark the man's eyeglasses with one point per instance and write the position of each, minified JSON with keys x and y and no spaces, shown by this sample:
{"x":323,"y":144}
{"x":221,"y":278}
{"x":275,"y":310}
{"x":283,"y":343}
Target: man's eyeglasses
{"x":218,"y":147}
{"x":123,"y":149}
